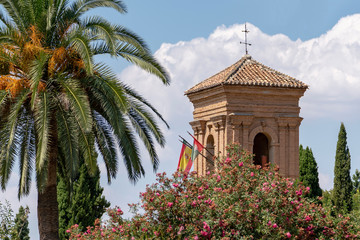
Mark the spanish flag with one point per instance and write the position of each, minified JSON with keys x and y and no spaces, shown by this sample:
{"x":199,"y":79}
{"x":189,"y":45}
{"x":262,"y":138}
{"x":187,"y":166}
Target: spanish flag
{"x":185,"y":162}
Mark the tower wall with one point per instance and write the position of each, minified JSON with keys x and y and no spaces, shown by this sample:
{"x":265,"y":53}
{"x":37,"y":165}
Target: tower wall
{"x":233,"y":113}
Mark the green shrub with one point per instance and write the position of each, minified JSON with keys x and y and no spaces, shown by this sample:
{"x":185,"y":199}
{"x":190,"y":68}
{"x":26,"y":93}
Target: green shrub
{"x":238,"y":201}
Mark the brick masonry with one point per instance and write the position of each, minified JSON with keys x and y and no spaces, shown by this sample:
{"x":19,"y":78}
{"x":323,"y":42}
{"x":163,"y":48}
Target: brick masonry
{"x":228,"y":112}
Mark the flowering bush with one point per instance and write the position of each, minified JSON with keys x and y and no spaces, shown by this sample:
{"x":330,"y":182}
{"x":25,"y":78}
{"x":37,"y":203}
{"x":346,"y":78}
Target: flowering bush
{"x":238,"y":201}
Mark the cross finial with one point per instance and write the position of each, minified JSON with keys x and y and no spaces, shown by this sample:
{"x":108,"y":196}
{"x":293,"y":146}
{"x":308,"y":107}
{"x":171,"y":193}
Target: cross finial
{"x":246,"y":42}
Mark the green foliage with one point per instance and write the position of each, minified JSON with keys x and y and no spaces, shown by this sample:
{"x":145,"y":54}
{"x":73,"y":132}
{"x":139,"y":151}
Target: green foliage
{"x":237,"y":201}
{"x":308,"y":171}
{"x":22,"y":224}
{"x":342,"y":192}
{"x":6,"y":221}
{"x":13,"y":228}
{"x":81,"y":205}
{"x":356,"y":181}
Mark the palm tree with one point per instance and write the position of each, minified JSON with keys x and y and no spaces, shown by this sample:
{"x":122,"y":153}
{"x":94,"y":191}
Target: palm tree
{"x":57,"y":104}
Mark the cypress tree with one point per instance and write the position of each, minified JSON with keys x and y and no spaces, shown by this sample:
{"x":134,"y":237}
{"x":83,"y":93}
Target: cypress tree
{"x":308,"y":171}
{"x":22,"y":224}
{"x":342,"y":193}
{"x":83,"y":203}
{"x":356,"y":181}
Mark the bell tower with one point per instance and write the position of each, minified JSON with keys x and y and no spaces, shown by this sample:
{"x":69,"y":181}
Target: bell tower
{"x":251,"y":104}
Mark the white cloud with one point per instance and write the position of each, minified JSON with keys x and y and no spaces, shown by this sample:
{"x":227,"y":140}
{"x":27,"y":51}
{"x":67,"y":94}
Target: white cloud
{"x":328,"y":64}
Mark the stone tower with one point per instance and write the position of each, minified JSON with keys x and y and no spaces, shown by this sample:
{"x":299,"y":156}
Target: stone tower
{"x":253,"y":105}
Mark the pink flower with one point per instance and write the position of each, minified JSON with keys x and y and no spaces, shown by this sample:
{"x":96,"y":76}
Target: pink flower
{"x":218,"y":179}
{"x":206,"y":226}
{"x":119,"y":211}
{"x":193,"y":203}
{"x":274,"y":225}
{"x":196,"y":237}
{"x":203,"y":233}
{"x":288,"y":235}
{"x":156,"y":233}
{"x":175,"y":184}
{"x":252,"y":174}
{"x":307,"y":189}
{"x":157,"y":194}
{"x":114,"y":229}
{"x":170,"y":204}
{"x":241,"y":164}
{"x":308,"y":218}
{"x":269,"y":223}
{"x":180,"y":230}
{"x":68,"y":231}
{"x":299,"y":193}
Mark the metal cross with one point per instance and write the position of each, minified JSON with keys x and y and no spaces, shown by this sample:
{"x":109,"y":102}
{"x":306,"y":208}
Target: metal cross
{"x":246,"y":42}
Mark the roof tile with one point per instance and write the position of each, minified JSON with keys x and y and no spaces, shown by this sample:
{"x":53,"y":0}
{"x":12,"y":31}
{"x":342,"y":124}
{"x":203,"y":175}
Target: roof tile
{"x":248,"y":72}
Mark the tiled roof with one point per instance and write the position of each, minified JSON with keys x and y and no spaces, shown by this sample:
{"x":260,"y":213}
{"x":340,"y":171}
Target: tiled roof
{"x":248,"y":72}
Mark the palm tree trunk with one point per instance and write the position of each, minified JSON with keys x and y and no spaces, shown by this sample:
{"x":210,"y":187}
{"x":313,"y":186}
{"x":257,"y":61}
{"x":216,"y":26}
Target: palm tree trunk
{"x":48,"y":213}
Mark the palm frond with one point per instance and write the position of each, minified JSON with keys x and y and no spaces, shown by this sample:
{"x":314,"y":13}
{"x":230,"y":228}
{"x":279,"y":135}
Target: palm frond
{"x":132,"y":93}
{"x":142,"y":129}
{"x":87,"y":149}
{"x":148,"y":121}
{"x":79,"y":103}
{"x":125,"y":35}
{"x":105,"y":82}
{"x":106,"y":144}
{"x":82,"y":6}
{"x":101,"y":29}
{"x":9,"y":135}
{"x":42,"y":114}
{"x":27,"y":155}
{"x":7,"y":22}
{"x":81,"y":44}
{"x":129,"y":149}
{"x":36,"y":72}
{"x":143,"y":60}
{"x":68,"y":133}
{"x":3,"y":98}
{"x":13,"y":9}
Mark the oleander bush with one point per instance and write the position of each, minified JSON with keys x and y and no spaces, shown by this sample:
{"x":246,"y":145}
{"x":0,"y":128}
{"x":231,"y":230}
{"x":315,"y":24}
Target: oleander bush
{"x":238,"y":201}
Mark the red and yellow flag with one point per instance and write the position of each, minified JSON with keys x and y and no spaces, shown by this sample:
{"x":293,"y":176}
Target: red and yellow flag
{"x":185,"y":162}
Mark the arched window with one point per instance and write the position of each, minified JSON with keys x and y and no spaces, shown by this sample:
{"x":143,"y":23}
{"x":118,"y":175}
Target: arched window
{"x":261,"y":150}
{"x":210,"y":154}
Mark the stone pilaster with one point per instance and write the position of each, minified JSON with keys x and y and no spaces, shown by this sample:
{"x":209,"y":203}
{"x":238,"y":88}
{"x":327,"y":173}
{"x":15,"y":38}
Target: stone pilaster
{"x":199,"y":128}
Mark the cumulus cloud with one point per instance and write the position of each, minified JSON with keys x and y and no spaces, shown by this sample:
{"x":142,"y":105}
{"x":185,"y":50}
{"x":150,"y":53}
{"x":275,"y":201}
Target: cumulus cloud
{"x":327,"y":64}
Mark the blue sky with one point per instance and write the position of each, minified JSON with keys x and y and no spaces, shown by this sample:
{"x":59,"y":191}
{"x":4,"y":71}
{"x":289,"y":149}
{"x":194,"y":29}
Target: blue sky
{"x":195,"y":39}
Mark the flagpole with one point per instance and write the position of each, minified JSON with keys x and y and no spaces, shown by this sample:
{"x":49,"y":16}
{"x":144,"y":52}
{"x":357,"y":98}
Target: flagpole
{"x":203,"y":146}
{"x":189,"y":145}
